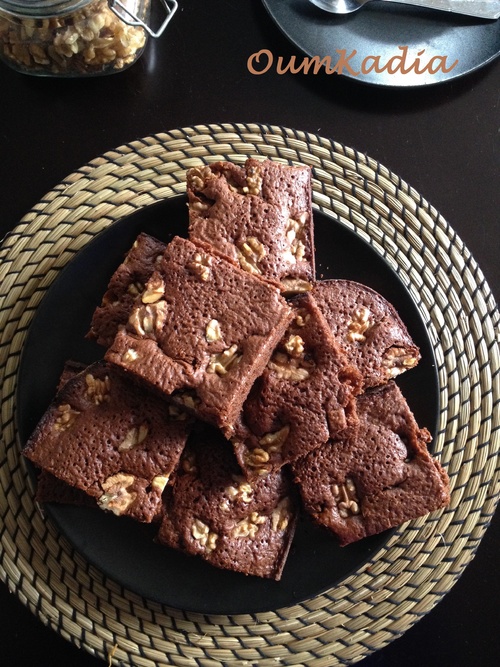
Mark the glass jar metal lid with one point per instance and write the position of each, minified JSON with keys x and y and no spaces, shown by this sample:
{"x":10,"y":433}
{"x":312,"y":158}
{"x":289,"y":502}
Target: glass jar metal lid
{"x":41,"y":8}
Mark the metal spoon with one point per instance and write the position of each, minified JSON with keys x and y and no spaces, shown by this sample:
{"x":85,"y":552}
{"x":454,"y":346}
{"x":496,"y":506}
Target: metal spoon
{"x":486,"y":9}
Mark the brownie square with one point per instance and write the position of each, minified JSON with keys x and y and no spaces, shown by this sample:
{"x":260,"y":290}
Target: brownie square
{"x":369,"y":329}
{"x":112,"y":439}
{"x":125,"y":285}
{"x":259,"y":215}
{"x":213,"y":512}
{"x":378,"y":479}
{"x":304,"y":397}
{"x":202,"y":332}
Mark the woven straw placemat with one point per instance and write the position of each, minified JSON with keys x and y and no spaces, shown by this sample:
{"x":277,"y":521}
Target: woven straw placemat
{"x":420,"y":562}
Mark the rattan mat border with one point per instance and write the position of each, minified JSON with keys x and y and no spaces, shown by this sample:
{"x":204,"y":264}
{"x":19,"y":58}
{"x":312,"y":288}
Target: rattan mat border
{"x":421,"y":561}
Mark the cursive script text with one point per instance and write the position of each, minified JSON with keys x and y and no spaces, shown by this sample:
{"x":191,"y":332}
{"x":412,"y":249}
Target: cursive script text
{"x":401,"y":63}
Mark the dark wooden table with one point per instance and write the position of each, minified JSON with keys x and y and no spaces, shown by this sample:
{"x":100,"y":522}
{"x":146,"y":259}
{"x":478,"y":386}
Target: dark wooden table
{"x":443,"y":140}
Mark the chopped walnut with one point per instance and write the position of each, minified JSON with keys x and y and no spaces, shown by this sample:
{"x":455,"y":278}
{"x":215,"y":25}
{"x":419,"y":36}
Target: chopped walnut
{"x":359,"y":324}
{"x":223,"y":362}
{"x":130,"y":355}
{"x":65,"y":418}
{"x":116,"y":497}
{"x":160,"y":482}
{"x":288,"y":368}
{"x":202,"y":534}
{"x":213,"y":332}
{"x":250,"y":253}
{"x":249,"y":526}
{"x":200,"y":266}
{"x":199,"y":206}
{"x":346,"y":498}
{"x":280,"y":516}
{"x":155,"y":290}
{"x":241,"y":490}
{"x":273,"y":442}
{"x":257,"y":456}
{"x":149,"y":318}
{"x":295,"y":346}
{"x":134,"y":289}
{"x":302,"y":318}
{"x":97,"y":389}
{"x":134,"y":437}
{"x":397,"y":360}
{"x":257,"y":459}
{"x":197,"y":176}
{"x":295,"y":238}
{"x":254,"y":182}
{"x":291,"y":286}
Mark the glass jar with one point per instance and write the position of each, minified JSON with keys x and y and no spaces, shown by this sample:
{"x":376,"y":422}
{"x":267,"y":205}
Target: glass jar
{"x":72,"y":38}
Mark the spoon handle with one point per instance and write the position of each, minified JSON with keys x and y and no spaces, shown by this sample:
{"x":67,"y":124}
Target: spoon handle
{"x":485,"y":9}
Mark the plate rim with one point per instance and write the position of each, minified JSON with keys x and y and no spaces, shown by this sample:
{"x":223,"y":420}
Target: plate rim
{"x":385,"y":83}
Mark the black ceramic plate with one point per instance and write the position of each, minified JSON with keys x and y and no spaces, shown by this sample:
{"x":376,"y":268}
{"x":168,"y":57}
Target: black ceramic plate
{"x":380,"y":28}
{"x":125,"y":550}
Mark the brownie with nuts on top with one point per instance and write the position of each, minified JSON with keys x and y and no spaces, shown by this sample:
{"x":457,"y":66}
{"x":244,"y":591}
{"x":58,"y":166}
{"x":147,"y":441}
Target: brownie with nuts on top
{"x":126,"y":283}
{"x":378,"y":479}
{"x":259,"y":215}
{"x":50,"y":489}
{"x":304,"y":397}
{"x":114,"y":440}
{"x":212,"y":511}
{"x":368,"y":328}
{"x":206,"y":339}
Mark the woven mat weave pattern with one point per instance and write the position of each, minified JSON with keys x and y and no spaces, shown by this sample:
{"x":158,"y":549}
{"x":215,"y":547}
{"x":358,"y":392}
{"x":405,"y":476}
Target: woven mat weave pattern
{"x":420,"y":562}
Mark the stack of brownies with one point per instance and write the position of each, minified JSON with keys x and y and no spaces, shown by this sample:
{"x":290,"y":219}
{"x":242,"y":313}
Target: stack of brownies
{"x":236,"y":390}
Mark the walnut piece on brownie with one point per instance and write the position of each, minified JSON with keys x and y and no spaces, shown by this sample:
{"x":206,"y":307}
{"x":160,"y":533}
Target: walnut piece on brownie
{"x":126,"y":283}
{"x":378,"y":479}
{"x":111,"y":439}
{"x":206,"y":339}
{"x":369,"y":329}
{"x":213,"y":512}
{"x":258,"y":215}
{"x":304,"y":397}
